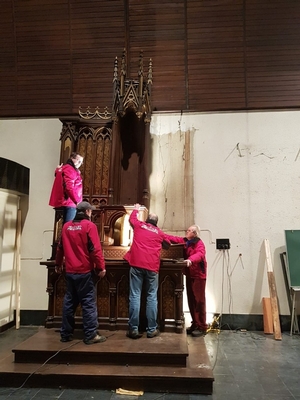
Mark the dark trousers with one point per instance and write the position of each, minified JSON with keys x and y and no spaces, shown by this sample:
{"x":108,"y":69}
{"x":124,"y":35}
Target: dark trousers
{"x":80,"y":290}
{"x":195,"y":289}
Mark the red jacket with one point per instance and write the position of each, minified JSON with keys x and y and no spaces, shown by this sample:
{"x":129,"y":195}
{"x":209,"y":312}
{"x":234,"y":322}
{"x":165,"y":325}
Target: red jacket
{"x":80,"y":244}
{"x":146,"y":245}
{"x":57,"y":192}
{"x":72,"y":182}
{"x":194,"y":250}
{"x":67,"y":187}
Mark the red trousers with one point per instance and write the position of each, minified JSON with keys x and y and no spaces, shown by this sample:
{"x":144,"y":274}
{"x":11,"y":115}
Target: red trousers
{"x":195,"y":289}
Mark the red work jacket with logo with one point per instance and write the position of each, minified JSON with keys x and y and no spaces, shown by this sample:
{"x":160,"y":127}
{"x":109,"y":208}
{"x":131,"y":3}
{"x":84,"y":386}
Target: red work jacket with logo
{"x":81,"y":247}
{"x":146,"y":245}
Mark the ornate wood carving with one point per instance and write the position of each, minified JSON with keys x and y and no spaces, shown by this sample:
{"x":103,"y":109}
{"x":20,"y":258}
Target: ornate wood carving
{"x":112,"y":297}
{"x":132,"y":94}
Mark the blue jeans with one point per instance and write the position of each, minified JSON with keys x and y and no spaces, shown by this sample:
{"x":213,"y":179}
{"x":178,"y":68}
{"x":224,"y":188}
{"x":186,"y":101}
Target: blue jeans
{"x":68,"y":214}
{"x":137,"y":276}
{"x":80,"y":290}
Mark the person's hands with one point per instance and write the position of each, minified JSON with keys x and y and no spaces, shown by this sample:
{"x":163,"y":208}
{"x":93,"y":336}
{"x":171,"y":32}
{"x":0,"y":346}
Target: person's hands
{"x":188,"y":262}
{"x":58,"y":269}
{"x":137,"y":206}
{"x":102,"y":273}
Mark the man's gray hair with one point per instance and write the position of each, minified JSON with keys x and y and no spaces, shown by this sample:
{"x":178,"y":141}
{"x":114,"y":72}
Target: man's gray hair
{"x":196,"y":229}
{"x":153,"y":218}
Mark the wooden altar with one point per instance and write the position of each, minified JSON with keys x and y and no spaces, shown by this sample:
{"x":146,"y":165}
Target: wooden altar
{"x":115,"y":146}
{"x":112,"y":297}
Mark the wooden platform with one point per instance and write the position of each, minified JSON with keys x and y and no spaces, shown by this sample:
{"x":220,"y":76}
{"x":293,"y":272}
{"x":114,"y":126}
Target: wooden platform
{"x":171,"y":362}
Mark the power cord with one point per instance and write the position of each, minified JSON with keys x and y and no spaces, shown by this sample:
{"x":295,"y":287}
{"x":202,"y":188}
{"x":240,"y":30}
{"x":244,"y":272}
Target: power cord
{"x":50,"y":358}
{"x":216,"y":325}
{"x":32,"y":373}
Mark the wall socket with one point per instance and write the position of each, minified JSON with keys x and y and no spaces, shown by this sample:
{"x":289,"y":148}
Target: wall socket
{"x":222,"y":244}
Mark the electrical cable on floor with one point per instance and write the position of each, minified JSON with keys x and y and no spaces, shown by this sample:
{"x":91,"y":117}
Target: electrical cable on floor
{"x":32,"y":373}
{"x":257,"y":337}
{"x":218,"y":319}
{"x":246,"y":333}
{"x":161,"y":396}
{"x":227,"y":265}
{"x":50,"y":358}
{"x":216,"y":352}
{"x":229,"y":274}
{"x":216,"y":325}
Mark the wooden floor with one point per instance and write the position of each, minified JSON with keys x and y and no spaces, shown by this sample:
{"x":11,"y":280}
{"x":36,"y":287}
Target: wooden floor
{"x":171,"y":362}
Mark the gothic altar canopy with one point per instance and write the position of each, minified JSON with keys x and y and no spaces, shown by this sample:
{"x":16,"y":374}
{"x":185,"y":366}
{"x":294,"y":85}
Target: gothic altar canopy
{"x":115,"y":145}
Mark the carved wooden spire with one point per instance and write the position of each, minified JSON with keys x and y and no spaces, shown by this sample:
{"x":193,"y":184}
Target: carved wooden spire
{"x":132,"y":94}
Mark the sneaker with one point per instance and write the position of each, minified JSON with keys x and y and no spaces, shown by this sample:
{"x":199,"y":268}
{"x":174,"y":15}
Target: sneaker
{"x":134,"y":334}
{"x":198,"y":333}
{"x":96,"y":339}
{"x":153,"y":334}
{"x":66,"y":339}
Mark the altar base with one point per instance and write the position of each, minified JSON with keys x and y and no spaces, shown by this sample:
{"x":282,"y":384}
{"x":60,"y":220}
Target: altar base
{"x":174,"y":363}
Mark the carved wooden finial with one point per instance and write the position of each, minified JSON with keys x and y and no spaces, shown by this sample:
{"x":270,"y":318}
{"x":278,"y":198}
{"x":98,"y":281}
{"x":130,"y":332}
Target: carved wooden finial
{"x":132,"y":94}
{"x":115,"y":79}
{"x":150,"y":72}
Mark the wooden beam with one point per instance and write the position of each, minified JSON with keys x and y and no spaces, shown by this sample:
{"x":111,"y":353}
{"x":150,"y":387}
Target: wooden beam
{"x":267,"y":315}
{"x":273,"y":292}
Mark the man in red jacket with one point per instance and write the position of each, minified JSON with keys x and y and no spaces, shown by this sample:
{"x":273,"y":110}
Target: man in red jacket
{"x":144,"y":260}
{"x":195,"y":272}
{"x":80,"y":245}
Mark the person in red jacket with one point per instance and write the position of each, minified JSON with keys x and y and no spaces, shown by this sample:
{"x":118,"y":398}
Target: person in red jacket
{"x":81,"y":248}
{"x":195,"y":272}
{"x":66,"y":191}
{"x":144,"y":259}
{"x":57,"y":192}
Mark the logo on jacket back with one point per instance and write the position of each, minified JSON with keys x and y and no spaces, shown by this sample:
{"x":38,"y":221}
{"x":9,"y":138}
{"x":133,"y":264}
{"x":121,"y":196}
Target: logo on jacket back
{"x":74,"y":228}
{"x":149,"y":228}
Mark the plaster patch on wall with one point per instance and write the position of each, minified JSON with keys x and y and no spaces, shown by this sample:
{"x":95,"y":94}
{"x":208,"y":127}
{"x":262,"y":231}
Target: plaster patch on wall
{"x":171,"y":181}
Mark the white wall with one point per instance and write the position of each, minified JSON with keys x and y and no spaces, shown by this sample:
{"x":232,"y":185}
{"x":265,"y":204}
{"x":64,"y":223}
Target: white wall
{"x":34,"y":144}
{"x":246,"y":188}
{"x":246,"y":193}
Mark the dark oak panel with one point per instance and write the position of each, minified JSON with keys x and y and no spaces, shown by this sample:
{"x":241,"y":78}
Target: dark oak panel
{"x":112,"y":297}
{"x":58,"y":55}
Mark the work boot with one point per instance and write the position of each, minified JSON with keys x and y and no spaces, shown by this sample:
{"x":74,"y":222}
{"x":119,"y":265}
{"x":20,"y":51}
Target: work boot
{"x":190,"y":329}
{"x":134,"y":334}
{"x":153,"y":334}
{"x":96,"y":339}
{"x":198,"y":333}
{"x":65,"y":339}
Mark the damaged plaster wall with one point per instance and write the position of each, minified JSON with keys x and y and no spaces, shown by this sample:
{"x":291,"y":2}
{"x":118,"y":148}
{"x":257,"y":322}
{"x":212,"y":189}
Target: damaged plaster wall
{"x":171,"y":180}
{"x":245,"y":186}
